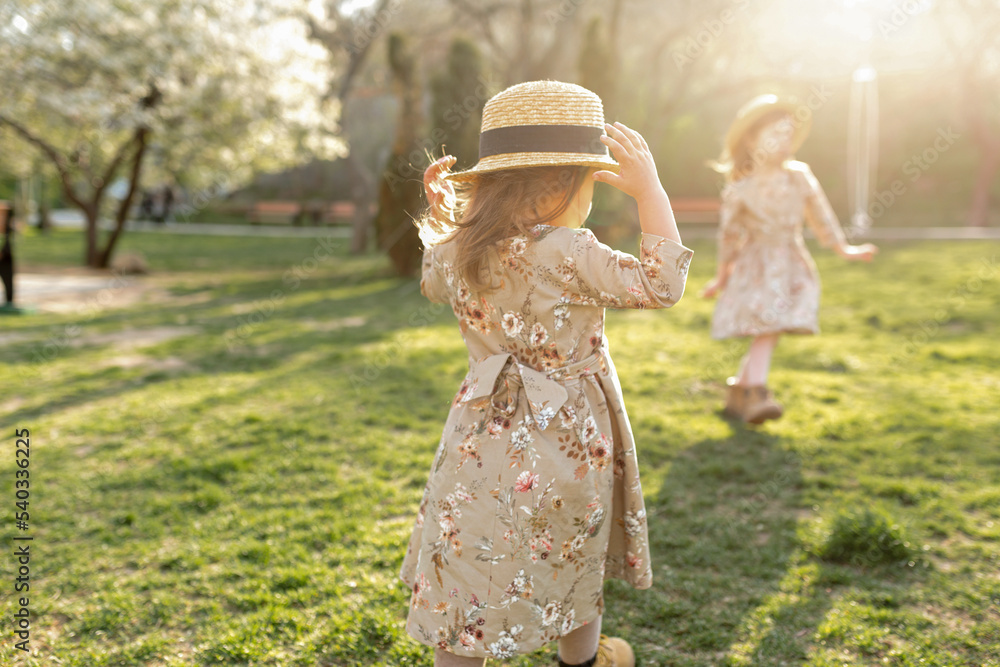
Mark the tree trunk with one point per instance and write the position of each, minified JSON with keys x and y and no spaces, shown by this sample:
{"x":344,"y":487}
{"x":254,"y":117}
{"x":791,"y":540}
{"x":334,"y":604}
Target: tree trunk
{"x":90,"y":212}
{"x":361,"y":222}
{"x":104,"y":258}
{"x":362,"y":180}
{"x":362,"y":188}
{"x":979,"y":215}
{"x":44,"y":217}
{"x":23,"y":198}
{"x":361,"y":193}
{"x":44,"y":221}
{"x":402,"y":186}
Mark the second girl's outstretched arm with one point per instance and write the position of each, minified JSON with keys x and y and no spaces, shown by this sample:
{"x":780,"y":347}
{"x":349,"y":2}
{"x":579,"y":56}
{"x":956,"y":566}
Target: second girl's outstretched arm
{"x":638,"y":178}
{"x":824,"y":223}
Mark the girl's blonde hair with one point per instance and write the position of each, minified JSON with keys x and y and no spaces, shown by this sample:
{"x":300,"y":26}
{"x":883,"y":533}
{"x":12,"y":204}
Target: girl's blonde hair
{"x":742,"y":162}
{"x":495,"y":206}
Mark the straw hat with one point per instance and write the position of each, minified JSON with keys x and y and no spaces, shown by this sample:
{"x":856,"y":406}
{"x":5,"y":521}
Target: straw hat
{"x":541,"y":124}
{"x":759,"y":107}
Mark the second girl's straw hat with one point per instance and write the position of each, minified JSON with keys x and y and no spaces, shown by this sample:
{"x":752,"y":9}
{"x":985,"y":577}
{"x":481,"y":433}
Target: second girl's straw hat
{"x":541,"y":124}
{"x":759,"y":107}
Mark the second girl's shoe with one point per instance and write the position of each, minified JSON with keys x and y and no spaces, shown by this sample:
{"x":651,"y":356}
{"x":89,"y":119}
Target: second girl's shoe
{"x":735,"y":399}
{"x":760,"y":405}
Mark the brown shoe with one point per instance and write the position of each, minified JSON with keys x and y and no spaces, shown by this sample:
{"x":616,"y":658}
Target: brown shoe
{"x":735,"y":399}
{"x":760,"y":405}
{"x":614,"y":652}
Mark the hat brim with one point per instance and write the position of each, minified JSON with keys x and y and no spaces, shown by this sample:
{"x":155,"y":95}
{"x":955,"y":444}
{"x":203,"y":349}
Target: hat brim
{"x":505,"y":161}
{"x":742,"y":125}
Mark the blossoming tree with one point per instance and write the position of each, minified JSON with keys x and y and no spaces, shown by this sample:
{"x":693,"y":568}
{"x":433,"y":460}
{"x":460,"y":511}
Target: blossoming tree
{"x":216,"y":89}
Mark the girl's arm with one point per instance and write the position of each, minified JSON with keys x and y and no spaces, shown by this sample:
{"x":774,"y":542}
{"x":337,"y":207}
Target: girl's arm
{"x":433,"y":277}
{"x":606,"y":277}
{"x":597,"y":275}
{"x":823,"y":220}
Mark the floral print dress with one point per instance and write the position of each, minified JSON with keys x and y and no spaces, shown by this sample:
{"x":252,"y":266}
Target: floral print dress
{"x":774,"y":286}
{"x":534,"y":496}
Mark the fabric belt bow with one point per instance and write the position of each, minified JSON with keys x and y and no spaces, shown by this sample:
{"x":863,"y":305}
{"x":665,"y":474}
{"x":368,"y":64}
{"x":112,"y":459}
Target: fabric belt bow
{"x":544,"y":390}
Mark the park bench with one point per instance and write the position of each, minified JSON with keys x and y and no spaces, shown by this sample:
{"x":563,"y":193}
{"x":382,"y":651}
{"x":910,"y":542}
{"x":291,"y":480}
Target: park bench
{"x":291,"y":212}
{"x":273,"y":211}
{"x":696,"y":209}
{"x":341,"y":210}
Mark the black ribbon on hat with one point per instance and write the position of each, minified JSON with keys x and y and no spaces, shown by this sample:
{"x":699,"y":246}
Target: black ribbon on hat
{"x":542,"y":139}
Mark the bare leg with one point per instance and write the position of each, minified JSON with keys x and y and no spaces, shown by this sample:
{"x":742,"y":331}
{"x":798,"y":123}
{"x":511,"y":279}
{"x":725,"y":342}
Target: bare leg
{"x":757,"y":362}
{"x":581,"y":644}
{"x":445,"y":659}
{"x":743,"y":365}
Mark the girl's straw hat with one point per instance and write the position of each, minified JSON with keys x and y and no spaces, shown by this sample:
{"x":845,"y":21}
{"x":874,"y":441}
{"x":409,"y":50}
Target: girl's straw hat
{"x":541,"y":124}
{"x":759,"y":107}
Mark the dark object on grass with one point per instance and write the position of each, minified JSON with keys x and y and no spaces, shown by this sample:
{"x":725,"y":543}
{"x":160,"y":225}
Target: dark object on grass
{"x":7,"y":253}
{"x":130,"y":264}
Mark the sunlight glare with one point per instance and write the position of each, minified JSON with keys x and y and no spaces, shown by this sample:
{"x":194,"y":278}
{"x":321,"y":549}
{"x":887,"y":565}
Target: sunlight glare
{"x":352,"y":6}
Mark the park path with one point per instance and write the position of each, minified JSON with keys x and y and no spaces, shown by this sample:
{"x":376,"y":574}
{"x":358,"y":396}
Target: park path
{"x":81,"y":290}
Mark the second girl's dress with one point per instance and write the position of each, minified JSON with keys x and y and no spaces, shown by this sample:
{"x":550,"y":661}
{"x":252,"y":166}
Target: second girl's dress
{"x":774,"y":286}
{"x":534,"y":496}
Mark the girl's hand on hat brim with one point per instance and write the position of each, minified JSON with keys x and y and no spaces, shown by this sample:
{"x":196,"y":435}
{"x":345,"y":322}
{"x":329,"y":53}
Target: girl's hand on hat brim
{"x":438,"y":190}
{"x":637,"y":176}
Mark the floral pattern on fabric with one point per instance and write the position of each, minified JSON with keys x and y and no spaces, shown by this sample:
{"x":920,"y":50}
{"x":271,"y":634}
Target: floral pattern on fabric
{"x":773,"y":286}
{"x":534,"y":496}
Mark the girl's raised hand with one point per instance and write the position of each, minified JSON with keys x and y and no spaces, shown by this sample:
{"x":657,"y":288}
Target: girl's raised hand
{"x":638,"y":178}
{"x":638,"y":171}
{"x":438,"y":190}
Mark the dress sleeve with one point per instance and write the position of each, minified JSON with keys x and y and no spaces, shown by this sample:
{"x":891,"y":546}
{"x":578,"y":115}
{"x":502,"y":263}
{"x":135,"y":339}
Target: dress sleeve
{"x":610,"y":278}
{"x":819,"y":214}
{"x":732,"y":232}
{"x":433,"y":279}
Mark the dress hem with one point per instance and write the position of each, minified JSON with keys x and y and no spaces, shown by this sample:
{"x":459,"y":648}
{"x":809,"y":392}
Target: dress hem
{"x":529,"y":648}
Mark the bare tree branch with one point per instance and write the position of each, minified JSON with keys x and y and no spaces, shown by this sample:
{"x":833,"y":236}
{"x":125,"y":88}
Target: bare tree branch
{"x":483,"y":15}
{"x":57,"y":159}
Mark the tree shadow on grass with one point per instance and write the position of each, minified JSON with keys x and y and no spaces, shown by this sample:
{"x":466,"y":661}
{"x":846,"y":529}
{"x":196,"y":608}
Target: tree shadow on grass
{"x":734,"y":583}
{"x":263,"y":338}
{"x":723,"y":540}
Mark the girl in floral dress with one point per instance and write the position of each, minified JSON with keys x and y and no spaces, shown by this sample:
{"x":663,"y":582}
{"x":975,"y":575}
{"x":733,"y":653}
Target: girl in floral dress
{"x":534,"y":496}
{"x":766,"y":276}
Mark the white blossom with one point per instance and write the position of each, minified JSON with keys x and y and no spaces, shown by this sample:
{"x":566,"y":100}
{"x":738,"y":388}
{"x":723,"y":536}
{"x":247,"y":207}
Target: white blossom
{"x":239,"y":86}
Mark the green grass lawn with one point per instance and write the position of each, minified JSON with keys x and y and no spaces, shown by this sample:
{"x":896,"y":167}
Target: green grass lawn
{"x":232,"y":481}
